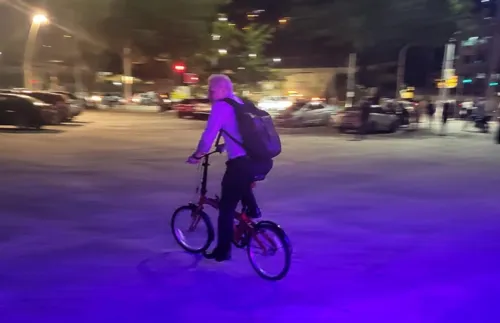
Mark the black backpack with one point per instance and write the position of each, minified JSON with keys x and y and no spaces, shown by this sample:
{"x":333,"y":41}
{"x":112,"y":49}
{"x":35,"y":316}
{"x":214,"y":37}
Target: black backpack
{"x":260,"y":138}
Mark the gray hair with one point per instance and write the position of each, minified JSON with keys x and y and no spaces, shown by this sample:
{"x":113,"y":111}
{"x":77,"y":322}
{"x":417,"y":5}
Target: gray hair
{"x":221,"y":81}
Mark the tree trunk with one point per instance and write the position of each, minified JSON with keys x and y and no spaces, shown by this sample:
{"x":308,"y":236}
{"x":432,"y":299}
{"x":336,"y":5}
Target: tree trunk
{"x":127,"y":72}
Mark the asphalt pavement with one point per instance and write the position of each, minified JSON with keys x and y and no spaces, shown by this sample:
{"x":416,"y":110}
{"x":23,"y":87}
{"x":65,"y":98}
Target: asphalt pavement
{"x":395,"y":228}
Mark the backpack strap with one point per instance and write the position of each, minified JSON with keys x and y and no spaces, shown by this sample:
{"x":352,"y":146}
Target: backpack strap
{"x":235,"y":105}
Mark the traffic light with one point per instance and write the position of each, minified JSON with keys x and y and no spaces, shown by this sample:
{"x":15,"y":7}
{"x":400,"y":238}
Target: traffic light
{"x":179,"y":67}
{"x":467,"y":81}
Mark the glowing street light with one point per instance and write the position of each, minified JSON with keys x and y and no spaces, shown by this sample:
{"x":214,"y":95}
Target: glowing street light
{"x":216,"y":37}
{"x":40,"y":19}
{"x":277,"y":60}
{"x":37,"y":20}
{"x":222,"y":18}
{"x":252,"y":55}
{"x":283,"y":21}
{"x":222,"y":51}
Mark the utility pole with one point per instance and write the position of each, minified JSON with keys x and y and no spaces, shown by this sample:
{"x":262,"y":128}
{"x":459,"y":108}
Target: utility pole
{"x":447,"y":69}
{"x":351,"y":80}
{"x":401,"y":69}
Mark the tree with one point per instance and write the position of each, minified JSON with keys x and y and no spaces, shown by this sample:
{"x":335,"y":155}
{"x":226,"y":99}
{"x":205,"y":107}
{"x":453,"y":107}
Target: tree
{"x":362,"y":24}
{"x":254,"y":66}
{"x":138,"y":30}
{"x":239,"y":52}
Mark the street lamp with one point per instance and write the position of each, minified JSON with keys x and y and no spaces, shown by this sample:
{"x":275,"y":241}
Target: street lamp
{"x":222,"y":51}
{"x":252,"y":55}
{"x":400,"y":74}
{"x":276,"y":60}
{"x":40,"y":19}
{"x":36,"y":21}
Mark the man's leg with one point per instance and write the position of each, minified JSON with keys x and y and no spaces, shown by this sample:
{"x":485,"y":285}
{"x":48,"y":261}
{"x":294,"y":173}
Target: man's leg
{"x":227,"y":206}
{"x":230,"y":196}
{"x":248,"y":200}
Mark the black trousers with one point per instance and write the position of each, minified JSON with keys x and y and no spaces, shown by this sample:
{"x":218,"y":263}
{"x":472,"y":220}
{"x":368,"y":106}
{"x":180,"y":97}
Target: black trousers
{"x":236,"y":187}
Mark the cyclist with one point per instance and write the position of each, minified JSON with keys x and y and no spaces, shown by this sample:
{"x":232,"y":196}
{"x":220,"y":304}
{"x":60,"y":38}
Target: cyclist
{"x":239,"y":175}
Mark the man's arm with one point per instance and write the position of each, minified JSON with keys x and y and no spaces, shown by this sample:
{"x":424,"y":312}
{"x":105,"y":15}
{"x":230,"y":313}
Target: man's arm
{"x":214,"y":124}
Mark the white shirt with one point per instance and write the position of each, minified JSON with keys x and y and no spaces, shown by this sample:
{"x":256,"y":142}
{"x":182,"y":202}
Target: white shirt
{"x":222,"y":117}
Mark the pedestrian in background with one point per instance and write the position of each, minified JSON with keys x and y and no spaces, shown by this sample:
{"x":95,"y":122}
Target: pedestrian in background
{"x":430,"y":111}
{"x":444,"y":117}
{"x":364,"y":116}
{"x":419,"y":109}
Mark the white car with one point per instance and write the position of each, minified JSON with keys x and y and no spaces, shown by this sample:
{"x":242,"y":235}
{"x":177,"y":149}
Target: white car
{"x":147,"y":98}
{"x":275,"y":104}
{"x":307,"y":114}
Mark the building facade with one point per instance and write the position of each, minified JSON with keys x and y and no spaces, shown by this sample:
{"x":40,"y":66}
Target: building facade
{"x":473,"y":62}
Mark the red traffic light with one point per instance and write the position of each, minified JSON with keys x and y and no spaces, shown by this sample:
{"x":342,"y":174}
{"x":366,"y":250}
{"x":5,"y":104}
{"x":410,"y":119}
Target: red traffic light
{"x":179,"y":67}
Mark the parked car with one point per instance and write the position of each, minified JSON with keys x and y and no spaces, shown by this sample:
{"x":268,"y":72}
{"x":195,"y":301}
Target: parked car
{"x":56,"y":100}
{"x":76,"y":104}
{"x":380,"y":119}
{"x":25,"y":112}
{"x":193,"y":108}
{"x":306,"y":113}
{"x":404,"y":110}
{"x":108,"y":99}
{"x":275,"y":104}
{"x":147,"y":98}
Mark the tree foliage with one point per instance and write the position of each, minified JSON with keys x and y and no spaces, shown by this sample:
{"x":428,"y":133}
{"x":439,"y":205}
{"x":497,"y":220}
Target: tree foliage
{"x":245,"y":57}
{"x":256,"y":65}
{"x":150,"y":27}
{"x":361,"y":24}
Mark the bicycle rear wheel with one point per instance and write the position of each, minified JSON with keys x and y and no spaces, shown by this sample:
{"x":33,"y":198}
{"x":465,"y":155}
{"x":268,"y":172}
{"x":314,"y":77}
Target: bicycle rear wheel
{"x":269,"y":240}
{"x":192,"y":229}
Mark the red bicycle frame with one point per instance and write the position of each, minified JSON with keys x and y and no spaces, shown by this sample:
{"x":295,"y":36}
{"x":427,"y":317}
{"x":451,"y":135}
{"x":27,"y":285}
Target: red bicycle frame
{"x":245,"y":223}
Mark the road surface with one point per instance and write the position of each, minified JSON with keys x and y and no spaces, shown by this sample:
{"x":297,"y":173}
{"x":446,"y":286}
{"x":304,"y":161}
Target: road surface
{"x":397,"y":228}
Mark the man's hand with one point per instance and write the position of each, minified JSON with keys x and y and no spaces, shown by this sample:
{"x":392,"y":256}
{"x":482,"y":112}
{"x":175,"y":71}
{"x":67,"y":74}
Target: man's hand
{"x":194,"y":158}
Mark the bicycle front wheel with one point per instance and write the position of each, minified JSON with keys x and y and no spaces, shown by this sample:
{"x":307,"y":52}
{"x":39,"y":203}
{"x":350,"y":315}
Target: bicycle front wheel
{"x":269,"y":242}
{"x":192,"y":229}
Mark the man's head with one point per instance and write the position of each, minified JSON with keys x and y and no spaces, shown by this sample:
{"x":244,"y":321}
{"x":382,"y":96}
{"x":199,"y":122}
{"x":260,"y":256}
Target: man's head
{"x":219,"y":87}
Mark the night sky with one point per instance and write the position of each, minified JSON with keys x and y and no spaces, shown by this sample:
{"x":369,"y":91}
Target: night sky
{"x":423,"y":64}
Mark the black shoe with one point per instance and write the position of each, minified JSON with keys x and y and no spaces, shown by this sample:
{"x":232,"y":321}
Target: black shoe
{"x":218,"y":255}
{"x":254,"y":214}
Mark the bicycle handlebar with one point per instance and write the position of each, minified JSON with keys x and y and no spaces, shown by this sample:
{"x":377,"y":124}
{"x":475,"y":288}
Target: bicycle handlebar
{"x":218,"y":149}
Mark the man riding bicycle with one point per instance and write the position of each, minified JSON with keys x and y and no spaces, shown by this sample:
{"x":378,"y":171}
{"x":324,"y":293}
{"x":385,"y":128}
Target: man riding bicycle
{"x":240,"y":174}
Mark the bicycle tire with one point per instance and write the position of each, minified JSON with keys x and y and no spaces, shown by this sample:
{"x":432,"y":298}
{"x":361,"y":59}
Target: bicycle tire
{"x":280,"y":233}
{"x":206,"y":221}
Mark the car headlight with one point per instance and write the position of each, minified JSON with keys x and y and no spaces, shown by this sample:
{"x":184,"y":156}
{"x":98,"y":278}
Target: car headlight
{"x":283,"y":105}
